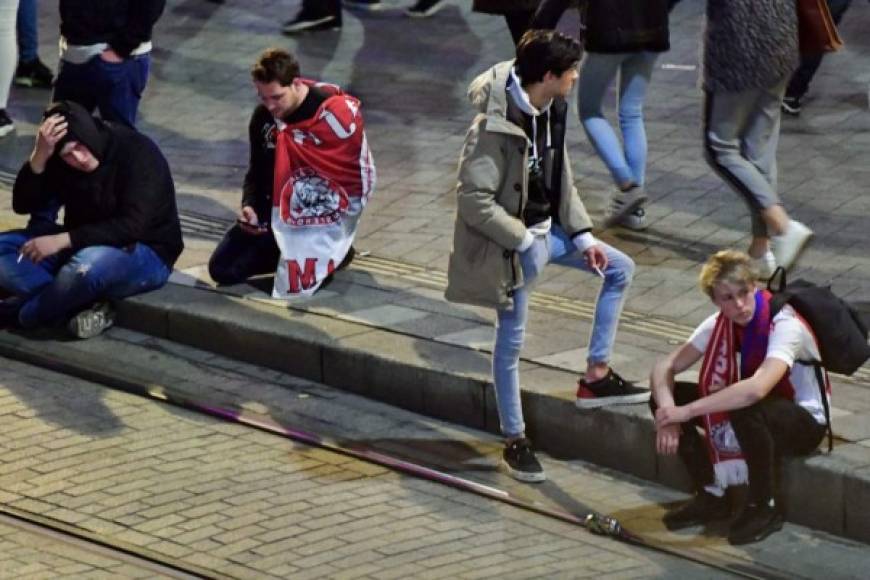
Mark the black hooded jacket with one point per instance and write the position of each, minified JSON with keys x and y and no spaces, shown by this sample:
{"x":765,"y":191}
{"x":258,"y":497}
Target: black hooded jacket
{"x":129,"y":198}
{"x":122,"y":24}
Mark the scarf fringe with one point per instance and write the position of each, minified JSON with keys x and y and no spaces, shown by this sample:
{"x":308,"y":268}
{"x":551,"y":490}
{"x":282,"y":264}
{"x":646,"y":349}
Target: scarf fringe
{"x":731,"y":472}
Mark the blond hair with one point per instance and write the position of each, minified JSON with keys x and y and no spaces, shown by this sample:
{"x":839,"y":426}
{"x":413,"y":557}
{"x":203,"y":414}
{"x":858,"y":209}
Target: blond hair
{"x":727,"y":266}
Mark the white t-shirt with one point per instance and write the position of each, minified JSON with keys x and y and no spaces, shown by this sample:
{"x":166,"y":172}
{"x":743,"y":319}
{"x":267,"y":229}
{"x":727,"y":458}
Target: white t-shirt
{"x":790,"y":341}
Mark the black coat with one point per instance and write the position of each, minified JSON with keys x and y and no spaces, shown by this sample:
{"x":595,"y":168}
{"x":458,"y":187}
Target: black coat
{"x":123,"y":24}
{"x":129,"y":198}
{"x":614,"y":26}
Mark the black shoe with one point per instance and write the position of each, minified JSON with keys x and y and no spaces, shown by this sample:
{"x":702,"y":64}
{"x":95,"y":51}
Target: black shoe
{"x":704,"y":507}
{"x":9,"y":309}
{"x":425,"y":8}
{"x":611,"y":390}
{"x":306,"y":22}
{"x":791,"y":106}
{"x":348,"y":258}
{"x":521,"y":463}
{"x":757,"y":521}
{"x":6,"y":124}
{"x":34,"y":74}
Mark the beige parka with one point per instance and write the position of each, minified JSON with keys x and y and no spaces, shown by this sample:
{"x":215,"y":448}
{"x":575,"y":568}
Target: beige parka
{"x":491,"y":192}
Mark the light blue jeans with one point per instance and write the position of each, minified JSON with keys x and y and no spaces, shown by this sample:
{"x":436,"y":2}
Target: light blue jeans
{"x":555,"y":247}
{"x":626,"y":161}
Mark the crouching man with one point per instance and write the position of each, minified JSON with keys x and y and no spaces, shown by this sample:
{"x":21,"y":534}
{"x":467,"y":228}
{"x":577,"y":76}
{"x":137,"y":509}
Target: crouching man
{"x":120,"y":235}
{"x":308,"y":180}
{"x":754,"y":401}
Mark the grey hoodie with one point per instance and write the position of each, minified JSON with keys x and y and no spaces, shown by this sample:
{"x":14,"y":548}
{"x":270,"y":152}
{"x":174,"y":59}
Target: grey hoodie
{"x":749,"y":44}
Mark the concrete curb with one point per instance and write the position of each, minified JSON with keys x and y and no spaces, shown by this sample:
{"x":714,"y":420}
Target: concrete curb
{"x":826,"y":492}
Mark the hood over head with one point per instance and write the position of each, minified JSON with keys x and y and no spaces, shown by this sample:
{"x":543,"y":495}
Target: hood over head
{"x":82,"y":127}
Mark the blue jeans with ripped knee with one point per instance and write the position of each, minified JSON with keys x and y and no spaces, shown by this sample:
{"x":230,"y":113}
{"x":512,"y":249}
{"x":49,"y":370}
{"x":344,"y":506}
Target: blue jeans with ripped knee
{"x":61,"y":285}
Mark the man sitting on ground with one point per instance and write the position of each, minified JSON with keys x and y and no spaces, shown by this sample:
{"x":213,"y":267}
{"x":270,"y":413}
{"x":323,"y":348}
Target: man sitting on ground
{"x":309,"y":177}
{"x":750,"y":408}
{"x":121,"y":233}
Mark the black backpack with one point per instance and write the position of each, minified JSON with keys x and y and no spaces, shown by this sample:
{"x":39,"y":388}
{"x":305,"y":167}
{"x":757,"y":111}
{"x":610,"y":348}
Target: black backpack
{"x":839,"y":330}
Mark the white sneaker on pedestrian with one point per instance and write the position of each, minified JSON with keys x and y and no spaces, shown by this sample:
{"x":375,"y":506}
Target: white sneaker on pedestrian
{"x":636,"y":220}
{"x":765,"y":265}
{"x":787,"y":246}
{"x":92,"y":321}
{"x":624,"y":203}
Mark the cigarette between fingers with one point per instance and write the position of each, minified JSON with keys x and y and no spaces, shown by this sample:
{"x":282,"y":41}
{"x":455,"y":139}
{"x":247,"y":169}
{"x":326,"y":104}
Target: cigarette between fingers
{"x":598,"y":271}
{"x":19,"y":258}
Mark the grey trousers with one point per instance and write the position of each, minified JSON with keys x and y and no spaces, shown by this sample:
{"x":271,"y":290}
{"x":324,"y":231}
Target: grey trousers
{"x":741,"y":134}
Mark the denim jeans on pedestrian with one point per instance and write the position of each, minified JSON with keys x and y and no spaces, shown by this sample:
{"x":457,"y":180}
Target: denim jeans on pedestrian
{"x":626,"y":161}
{"x":114,"y":89}
{"x":28,"y":31}
{"x":555,"y":247}
{"x":59,"y":286}
{"x":741,"y":136}
{"x":240,"y":255}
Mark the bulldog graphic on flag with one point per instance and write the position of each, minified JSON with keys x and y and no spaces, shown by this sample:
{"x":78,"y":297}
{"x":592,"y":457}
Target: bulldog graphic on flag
{"x":324,"y":175}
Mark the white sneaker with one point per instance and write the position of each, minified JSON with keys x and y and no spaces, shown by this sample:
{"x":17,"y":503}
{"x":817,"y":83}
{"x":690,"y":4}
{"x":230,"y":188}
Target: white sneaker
{"x":636,"y":220}
{"x":765,"y":265}
{"x":92,"y":321}
{"x":787,"y":247}
{"x":625,"y":203}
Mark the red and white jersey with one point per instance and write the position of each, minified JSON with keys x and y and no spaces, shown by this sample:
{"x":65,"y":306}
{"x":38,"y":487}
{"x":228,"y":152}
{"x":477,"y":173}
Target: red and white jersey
{"x":324,"y":175}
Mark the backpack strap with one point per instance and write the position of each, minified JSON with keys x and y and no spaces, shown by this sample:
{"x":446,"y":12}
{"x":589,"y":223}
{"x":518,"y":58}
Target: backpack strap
{"x":820,"y":378}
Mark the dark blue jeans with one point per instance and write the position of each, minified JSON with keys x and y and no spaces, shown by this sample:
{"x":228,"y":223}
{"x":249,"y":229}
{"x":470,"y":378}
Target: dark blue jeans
{"x":28,"y":32}
{"x":62,"y":285}
{"x":800,"y":80}
{"x":115,"y":89}
{"x":240,"y":255}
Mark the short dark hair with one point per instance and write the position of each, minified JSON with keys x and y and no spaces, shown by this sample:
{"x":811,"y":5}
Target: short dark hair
{"x":275,"y":64}
{"x":543,"y":51}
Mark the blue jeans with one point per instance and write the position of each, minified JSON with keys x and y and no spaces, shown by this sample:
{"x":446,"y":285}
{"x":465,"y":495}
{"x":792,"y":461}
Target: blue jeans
{"x":115,"y":89}
{"x":28,"y":31}
{"x":558,"y":248}
{"x":626,"y":161}
{"x":61,"y":285}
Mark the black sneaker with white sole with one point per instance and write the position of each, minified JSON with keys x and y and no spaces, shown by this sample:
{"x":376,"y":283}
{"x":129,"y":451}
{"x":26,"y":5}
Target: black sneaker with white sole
{"x":611,"y":390}
{"x":521,"y":463}
{"x":6,"y":124}
{"x":791,"y":106}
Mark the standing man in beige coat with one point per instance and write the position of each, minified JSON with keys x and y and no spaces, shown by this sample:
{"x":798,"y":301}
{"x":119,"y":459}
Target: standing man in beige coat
{"x":517,"y":210}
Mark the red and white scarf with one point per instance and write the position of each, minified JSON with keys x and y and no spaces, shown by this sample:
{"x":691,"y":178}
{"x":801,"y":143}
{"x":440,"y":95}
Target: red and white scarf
{"x":720,"y":370}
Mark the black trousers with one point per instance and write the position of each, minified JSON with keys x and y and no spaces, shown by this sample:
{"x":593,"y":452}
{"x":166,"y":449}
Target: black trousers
{"x":241,"y":255}
{"x":767,"y":430}
{"x":518,"y":22}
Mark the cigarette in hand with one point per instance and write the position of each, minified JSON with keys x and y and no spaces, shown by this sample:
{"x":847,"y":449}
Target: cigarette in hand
{"x":598,"y":271}
{"x":19,"y":258}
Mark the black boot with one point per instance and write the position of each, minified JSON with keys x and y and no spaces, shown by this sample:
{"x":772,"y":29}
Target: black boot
{"x":758,"y":520}
{"x":704,"y":507}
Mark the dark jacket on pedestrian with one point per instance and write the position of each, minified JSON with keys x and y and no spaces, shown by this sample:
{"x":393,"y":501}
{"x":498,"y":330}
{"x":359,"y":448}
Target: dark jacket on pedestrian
{"x":749,"y":44}
{"x":122,"y":24}
{"x":504,"y":6}
{"x":260,"y":177}
{"x":613,"y":26}
{"x":128,"y":198}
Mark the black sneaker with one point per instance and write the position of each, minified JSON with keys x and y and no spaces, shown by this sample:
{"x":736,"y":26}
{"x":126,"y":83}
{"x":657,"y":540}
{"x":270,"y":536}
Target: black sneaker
{"x":9,"y":309}
{"x":306,"y":22}
{"x":791,"y":106}
{"x":424,"y":8}
{"x":521,"y":463}
{"x":611,"y":390}
{"x":6,"y":124}
{"x":757,"y":521}
{"x":366,"y":5}
{"x":624,"y":204}
{"x":34,"y":74}
{"x":701,"y":509}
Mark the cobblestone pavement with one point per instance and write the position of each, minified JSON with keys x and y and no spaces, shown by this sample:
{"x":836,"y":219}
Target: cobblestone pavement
{"x":411,"y":76}
{"x":253,"y":505}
